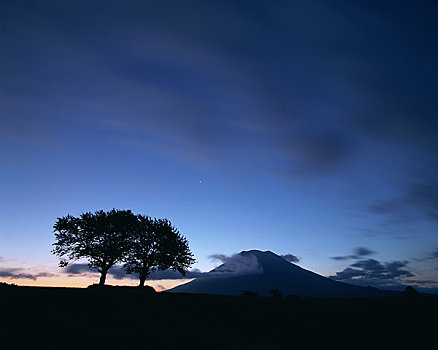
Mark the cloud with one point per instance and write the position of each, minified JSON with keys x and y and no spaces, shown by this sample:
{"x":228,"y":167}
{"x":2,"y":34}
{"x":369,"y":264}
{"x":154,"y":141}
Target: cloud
{"x":417,"y":200}
{"x":433,"y":255}
{"x":78,"y":269}
{"x":363,"y":251}
{"x":170,"y":274}
{"x":241,"y":263}
{"x":83,"y":269}
{"x":358,"y":253}
{"x":342,"y":257}
{"x":17,"y":273}
{"x":184,"y":83}
{"x":375,"y":273}
{"x":178,"y":85}
{"x":291,"y":258}
{"x":319,"y":153}
{"x":119,"y":273}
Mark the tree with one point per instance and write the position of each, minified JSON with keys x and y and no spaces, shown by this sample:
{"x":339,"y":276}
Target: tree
{"x":248,"y":293}
{"x":276,"y":293}
{"x":101,"y":237}
{"x":157,"y":245}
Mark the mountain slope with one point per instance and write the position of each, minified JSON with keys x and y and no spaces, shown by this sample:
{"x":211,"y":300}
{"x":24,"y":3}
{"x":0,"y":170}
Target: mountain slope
{"x":273,"y":272}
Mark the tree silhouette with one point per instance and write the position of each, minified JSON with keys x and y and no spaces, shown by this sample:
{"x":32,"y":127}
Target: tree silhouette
{"x":157,"y":245}
{"x":411,"y":292}
{"x":248,"y":293}
{"x":101,"y":237}
{"x":276,"y":293}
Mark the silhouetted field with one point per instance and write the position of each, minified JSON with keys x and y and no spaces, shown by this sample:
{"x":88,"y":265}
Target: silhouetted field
{"x":127,"y":317}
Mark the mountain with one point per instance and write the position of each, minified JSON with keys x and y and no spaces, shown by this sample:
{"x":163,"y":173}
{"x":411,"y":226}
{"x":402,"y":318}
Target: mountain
{"x":270,"y":271}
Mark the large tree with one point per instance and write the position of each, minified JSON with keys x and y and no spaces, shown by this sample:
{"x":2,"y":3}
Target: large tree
{"x":101,"y":237}
{"x":157,"y":245}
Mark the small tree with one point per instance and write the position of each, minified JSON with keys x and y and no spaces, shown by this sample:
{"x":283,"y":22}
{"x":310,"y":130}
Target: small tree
{"x":276,"y":293}
{"x":157,"y":245}
{"x":101,"y":237}
{"x":248,"y":293}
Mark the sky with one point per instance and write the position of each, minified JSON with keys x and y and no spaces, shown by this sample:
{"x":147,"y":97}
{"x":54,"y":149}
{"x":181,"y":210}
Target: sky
{"x":306,"y":128}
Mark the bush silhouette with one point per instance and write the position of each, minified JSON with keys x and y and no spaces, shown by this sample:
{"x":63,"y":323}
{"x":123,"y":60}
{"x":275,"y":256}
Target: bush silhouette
{"x":293,"y":297}
{"x":7,"y":285}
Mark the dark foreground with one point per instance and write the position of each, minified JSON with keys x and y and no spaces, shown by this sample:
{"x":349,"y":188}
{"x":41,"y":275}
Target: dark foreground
{"x":128,"y":317}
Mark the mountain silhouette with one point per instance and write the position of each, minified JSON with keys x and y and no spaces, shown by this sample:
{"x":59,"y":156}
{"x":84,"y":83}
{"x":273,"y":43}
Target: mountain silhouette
{"x":271,"y":272}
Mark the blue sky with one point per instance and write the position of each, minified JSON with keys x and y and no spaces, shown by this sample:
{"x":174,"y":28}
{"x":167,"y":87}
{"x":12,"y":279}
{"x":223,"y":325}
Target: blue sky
{"x":299,"y":127}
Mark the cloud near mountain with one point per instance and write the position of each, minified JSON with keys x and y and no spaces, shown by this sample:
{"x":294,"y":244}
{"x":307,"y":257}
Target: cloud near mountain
{"x":370,"y":272}
{"x":291,"y":258}
{"x":236,"y":264}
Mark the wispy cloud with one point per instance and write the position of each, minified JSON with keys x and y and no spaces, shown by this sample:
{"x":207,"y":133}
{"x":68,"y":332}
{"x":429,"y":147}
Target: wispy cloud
{"x":18,"y":273}
{"x":358,"y":253}
{"x":185,"y":83}
{"x":418,"y":200}
{"x":431,"y":256}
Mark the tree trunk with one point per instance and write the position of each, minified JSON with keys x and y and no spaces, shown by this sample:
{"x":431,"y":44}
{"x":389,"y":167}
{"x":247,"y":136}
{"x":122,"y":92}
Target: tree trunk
{"x":102,"y":277}
{"x":142,"y":280}
{"x":143,"y":274}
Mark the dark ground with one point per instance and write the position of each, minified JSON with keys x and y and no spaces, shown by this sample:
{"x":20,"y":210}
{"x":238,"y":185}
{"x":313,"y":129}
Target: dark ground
{"x":128,"y":317}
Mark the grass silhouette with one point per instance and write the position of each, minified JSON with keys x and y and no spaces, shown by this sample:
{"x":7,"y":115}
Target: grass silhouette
{"x":131,"y":316}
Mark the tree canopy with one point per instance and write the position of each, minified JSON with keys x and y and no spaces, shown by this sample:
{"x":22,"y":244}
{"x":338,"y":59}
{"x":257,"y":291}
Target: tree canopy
{"x":101,"y":237}
{"x":157,"y":245}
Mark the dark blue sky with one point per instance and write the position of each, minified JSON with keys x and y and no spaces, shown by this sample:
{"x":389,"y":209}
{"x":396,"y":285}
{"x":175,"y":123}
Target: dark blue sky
{"x":302,"y":127}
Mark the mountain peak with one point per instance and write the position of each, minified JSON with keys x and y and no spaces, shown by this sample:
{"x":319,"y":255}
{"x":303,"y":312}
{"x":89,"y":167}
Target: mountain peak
{"x":252,"y":262}
{"x":256,"y":251}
